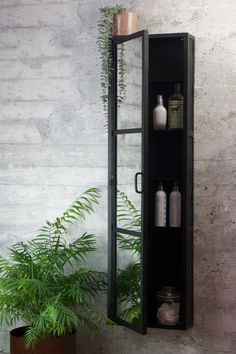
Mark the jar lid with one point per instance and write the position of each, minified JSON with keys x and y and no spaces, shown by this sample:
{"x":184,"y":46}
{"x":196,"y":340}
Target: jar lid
{"x":168,"y":292}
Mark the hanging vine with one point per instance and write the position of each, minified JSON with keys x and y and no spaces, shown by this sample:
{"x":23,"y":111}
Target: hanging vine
{"x":105,"y":51}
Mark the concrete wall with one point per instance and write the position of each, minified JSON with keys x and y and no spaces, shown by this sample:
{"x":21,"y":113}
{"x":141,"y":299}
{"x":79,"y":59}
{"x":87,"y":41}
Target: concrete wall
{"x":54,"y":145}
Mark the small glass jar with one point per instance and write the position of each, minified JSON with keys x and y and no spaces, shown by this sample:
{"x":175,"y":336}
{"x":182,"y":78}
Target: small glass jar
{"x":168,"y":306}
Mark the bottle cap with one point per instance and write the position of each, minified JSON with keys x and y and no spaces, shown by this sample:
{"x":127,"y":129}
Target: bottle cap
{"x":159,"y":100}
{"x":175,"y":186}
{"x":168,"y":293}
{"x":177,"y":88}
{"x":160,"y":186}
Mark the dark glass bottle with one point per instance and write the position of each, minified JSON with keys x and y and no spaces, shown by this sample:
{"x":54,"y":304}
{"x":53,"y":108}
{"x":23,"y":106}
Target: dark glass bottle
{"x":175,"y":109}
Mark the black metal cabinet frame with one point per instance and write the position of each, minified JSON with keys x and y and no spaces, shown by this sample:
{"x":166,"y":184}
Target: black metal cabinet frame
{"x":155,"y":76}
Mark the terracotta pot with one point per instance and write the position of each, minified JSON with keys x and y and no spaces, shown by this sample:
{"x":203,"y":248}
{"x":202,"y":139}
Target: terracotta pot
{"x":60,"y":345}
{"x":124,"y":23}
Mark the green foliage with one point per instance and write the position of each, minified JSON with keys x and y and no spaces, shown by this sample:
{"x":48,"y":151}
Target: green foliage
{"x":128,"y":291}
{"x":104,"y":48}
{"x":129,"y":279}
{"x":43,"y":282}
{"x":129,"y":243}
{"x":127,"y":213}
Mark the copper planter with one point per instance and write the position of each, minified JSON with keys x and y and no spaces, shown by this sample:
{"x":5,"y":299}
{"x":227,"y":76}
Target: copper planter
{"x":60,"y":345}
{"x":124,"y":23}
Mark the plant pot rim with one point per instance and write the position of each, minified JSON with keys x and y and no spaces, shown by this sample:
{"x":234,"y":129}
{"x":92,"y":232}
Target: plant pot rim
{"x":57,"y":345}
{"x":125,"y":12}
{"x":20,"y":332}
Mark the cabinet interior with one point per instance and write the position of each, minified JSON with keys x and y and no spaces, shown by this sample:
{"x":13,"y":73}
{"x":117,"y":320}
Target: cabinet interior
{"x":165,"y":163}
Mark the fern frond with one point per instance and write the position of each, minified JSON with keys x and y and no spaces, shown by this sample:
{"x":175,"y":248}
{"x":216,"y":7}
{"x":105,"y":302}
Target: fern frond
{"x":33,"y":288}
{"x":129,"y":283}
{"x":81,"y":206}
{"x":5,"y":318}
{"x":4,"y":265}
{"x":32,"y":337}
{"x":132,"y":314}
{"x":90,"y":281}
{"x":129,"y":243}
{"x":127,"y":213}
{"x":56,"y":320}
{"x":76,"y":212}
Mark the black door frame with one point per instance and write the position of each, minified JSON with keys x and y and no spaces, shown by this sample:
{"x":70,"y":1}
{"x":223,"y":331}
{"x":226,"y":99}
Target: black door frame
{"x":112,"y":181}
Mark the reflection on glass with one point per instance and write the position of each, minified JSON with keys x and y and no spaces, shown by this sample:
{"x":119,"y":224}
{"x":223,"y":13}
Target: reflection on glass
{"x":128,"y":164}
{"x":129,"y":61}
{"x":129,"y":278}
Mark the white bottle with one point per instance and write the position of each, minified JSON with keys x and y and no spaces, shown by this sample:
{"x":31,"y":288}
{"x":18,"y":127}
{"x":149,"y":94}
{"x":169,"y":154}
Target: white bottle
{"x":175,"y":207}
{"x":159,"y":114}
{"x":160,"y":206}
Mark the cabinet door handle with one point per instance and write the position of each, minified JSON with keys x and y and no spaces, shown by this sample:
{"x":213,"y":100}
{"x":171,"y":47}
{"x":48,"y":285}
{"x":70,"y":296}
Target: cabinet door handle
{"x":136,"y":182}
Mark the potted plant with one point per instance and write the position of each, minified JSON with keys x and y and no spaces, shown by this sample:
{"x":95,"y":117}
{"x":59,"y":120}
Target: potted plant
{"x":115,"y":20}
{"x":45,"y":284}
{"x":124,"y":23}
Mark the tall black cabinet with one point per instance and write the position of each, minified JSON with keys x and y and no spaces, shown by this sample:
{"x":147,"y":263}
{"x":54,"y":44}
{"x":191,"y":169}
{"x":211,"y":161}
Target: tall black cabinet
{"x":144,"y":258}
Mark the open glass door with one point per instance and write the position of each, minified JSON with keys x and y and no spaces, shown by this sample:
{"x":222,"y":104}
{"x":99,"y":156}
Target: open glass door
{"x":127,"y":140}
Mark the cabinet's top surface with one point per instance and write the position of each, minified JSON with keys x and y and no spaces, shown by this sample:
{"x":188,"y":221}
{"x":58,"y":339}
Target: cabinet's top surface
{"x":118,"y":39}
{"x":171,"y":35}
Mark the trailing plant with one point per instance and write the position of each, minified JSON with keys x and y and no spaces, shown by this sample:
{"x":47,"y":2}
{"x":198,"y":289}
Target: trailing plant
{"x":129,"y":279}
{"x":105,"y":50}
{"x":44,"y":282}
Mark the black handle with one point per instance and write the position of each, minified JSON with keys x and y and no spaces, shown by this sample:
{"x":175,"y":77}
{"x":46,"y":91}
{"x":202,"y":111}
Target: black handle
{"x":136,"y":182}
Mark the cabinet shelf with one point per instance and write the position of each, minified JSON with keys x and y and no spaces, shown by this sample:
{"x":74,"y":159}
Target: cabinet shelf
{"x":158,"y":325}
{"x":167,"y":131}
{"x":164,"y":178}
{"x":167,"y":134}
{"x":166,"y":229}
{"x":168,"y":81}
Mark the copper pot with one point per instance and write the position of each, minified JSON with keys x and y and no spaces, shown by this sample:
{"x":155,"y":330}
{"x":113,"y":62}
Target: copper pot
{"x":60,"y":345}
{"x":124,"y":23}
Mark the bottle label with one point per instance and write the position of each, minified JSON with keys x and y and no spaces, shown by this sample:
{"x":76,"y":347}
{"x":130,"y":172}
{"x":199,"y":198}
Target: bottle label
{"x":175,"y":114}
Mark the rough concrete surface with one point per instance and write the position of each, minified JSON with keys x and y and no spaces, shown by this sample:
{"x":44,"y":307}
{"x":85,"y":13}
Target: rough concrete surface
{"x":54,"y":145}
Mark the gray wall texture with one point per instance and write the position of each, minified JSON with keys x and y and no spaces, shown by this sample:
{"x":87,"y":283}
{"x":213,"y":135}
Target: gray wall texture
{"x":54,"y":145}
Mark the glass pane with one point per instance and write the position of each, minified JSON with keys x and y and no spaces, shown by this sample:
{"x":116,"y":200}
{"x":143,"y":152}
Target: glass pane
{"x":129,"y":84}
{"x":128,"y":277}
{"x":129,"y":157}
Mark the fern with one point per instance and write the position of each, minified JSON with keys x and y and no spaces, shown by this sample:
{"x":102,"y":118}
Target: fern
{"x":44,"y":283}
